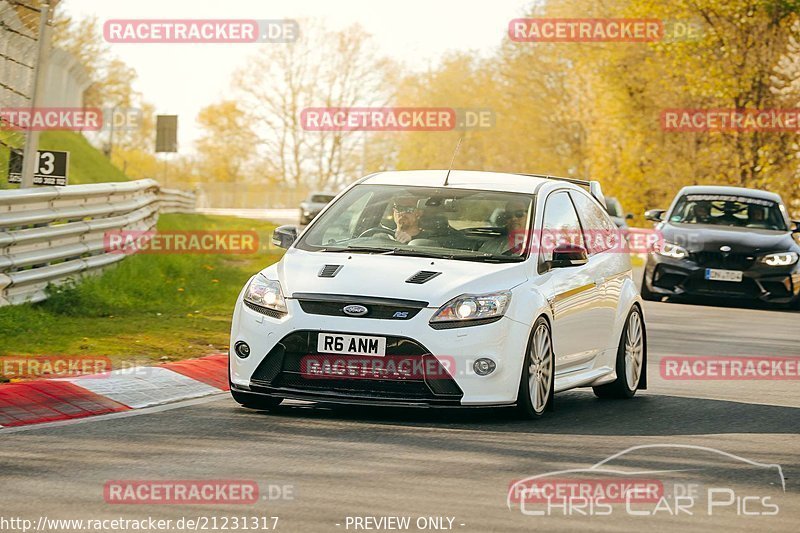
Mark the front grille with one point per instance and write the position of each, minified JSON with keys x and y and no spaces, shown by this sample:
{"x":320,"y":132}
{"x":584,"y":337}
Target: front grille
{"x":282,"y":368}
{"x":778,"y":289}
{"x":747,"y":287}
{"x":377,"y":308}
{"x":664,"y":279}
{"x":725,"y":261}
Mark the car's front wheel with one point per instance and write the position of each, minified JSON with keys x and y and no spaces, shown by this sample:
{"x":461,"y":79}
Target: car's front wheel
{"x":255,"y":401}
{"x":630,"y":359}
{"x":536,"y":386}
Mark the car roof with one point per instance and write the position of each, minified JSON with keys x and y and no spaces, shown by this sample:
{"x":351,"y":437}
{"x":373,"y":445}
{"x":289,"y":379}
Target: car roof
{"x":460,"y":179}
{"x":735,"y":191}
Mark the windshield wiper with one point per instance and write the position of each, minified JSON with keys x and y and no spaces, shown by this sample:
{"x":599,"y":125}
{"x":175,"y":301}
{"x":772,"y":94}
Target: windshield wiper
{"x":486,"y":258}
{"x":359,"y":249}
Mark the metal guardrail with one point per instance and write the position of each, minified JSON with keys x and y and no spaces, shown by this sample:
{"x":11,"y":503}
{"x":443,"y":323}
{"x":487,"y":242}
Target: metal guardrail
{"x":54,"y":235}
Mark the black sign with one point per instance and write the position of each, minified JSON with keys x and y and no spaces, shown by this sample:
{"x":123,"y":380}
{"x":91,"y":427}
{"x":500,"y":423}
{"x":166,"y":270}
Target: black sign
{"x":51,"y":169}
{"x":166,"y":133}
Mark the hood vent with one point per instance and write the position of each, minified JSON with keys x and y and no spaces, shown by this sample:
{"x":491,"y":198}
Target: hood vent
{"x":329,"y":271}
{"x":422,"y":276}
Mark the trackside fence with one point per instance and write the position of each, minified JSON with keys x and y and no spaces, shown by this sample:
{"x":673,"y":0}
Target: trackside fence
{"x":54,"y":235}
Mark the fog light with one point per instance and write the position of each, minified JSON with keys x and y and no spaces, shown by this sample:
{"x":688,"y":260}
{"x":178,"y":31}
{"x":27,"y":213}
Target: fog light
{"x":242,"y":349}
{"x":484,"y":366}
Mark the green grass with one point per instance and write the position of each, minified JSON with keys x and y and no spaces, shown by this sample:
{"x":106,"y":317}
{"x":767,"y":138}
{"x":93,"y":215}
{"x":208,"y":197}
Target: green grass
{"x":147,"y":307}
{"x":86,"y":163}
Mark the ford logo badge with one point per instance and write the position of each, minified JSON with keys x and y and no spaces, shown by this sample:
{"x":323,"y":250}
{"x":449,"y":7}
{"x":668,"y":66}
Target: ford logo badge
{"x":355,"y":310}
{"x":724,"y":248}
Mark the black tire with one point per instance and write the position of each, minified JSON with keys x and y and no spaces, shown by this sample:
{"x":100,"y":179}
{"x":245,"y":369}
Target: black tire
{"x":620,"y":388}
{"x":646,"y":293}
{"x":256,"y":401}
{"x":525,"y":404}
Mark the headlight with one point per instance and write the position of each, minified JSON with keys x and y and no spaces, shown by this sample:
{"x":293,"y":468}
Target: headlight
{"x":779,"y":259}
{"x":471,"y":309}
{"x":265,"y":294}
{"x":672,"y":250}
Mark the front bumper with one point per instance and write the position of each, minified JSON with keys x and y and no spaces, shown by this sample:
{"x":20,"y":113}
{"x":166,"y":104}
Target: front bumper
{"x":277,"y":346}
{"x":665,"y":276}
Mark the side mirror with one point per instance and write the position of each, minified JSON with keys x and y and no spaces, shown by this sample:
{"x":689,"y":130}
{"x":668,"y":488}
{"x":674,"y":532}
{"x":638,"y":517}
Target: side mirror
{"x":567,"y":255}
{"x":629,"y":216}
{"x":284,"y":236}
{"x":796,"y":228}
{"x":656,"y":215}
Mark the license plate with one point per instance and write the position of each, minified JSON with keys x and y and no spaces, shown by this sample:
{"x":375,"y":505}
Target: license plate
{"x":351,"y":344}
{"x":715,"y":274}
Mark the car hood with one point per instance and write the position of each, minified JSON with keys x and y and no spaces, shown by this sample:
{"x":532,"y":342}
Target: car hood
{"x":385,"y":276}
{"x":703,"y":237}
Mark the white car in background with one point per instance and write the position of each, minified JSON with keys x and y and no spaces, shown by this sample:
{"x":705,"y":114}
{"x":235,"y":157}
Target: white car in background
{"x":401,"y":292}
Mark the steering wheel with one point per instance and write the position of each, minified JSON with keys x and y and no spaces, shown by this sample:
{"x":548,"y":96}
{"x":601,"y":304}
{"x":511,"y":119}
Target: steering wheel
{"x":374,"y":231}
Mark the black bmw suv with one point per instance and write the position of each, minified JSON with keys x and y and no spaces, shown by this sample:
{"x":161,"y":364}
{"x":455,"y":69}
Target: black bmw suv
{"x":725,"y":242}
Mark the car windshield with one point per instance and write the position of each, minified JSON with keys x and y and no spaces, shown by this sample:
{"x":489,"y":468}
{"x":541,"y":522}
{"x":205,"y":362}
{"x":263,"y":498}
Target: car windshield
{"x":728,"y":210}
{"x":321,"y":198}
{"x":439,"y":222}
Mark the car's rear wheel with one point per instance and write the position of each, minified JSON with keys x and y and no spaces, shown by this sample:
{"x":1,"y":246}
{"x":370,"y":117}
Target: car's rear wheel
{"x":630,"y":359}
{"x":535,"y":394}
{"x":255,"y":401}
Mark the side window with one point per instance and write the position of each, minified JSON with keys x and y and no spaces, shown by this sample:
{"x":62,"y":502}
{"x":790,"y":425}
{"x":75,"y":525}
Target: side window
{"x":560,"y":225}
{"x":600,"y":232}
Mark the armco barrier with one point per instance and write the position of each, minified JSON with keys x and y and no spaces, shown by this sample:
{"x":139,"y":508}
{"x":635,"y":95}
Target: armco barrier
{"x":52,"y":235}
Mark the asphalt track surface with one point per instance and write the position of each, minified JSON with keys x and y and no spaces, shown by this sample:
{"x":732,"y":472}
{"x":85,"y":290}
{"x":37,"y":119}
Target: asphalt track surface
{"x":356,"y":462}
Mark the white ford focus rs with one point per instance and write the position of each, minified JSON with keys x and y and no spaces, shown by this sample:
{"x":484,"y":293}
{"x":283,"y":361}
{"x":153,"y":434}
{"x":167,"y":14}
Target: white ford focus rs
{"x":420,"y":288}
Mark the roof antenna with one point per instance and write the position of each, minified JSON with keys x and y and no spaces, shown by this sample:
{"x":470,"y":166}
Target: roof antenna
{"x":452,"y":160}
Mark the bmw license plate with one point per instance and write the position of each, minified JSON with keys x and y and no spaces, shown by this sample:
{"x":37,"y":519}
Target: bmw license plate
{"x":351,"y":344}
{"x":715,"y":274}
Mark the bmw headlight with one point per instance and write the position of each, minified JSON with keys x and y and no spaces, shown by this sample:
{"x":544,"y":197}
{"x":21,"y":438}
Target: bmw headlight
{"x":779,"y":259}
{"x":674,"y":251}
{"x":265,"y":295}
{"x":471,"y":309}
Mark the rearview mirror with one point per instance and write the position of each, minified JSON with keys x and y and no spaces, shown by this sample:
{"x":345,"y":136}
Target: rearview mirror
{"x":567,"y":255}
{"x":284,"y":236}
{"x":656,"y":215}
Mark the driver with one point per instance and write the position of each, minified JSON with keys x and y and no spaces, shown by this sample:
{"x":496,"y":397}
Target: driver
{"x":702,"y":213}
{"x":406,"y":213}
{"x":755,"y":216}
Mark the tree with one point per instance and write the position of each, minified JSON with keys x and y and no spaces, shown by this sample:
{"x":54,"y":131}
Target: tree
{"x":322,"y":69}
{"x":225,"y":149}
